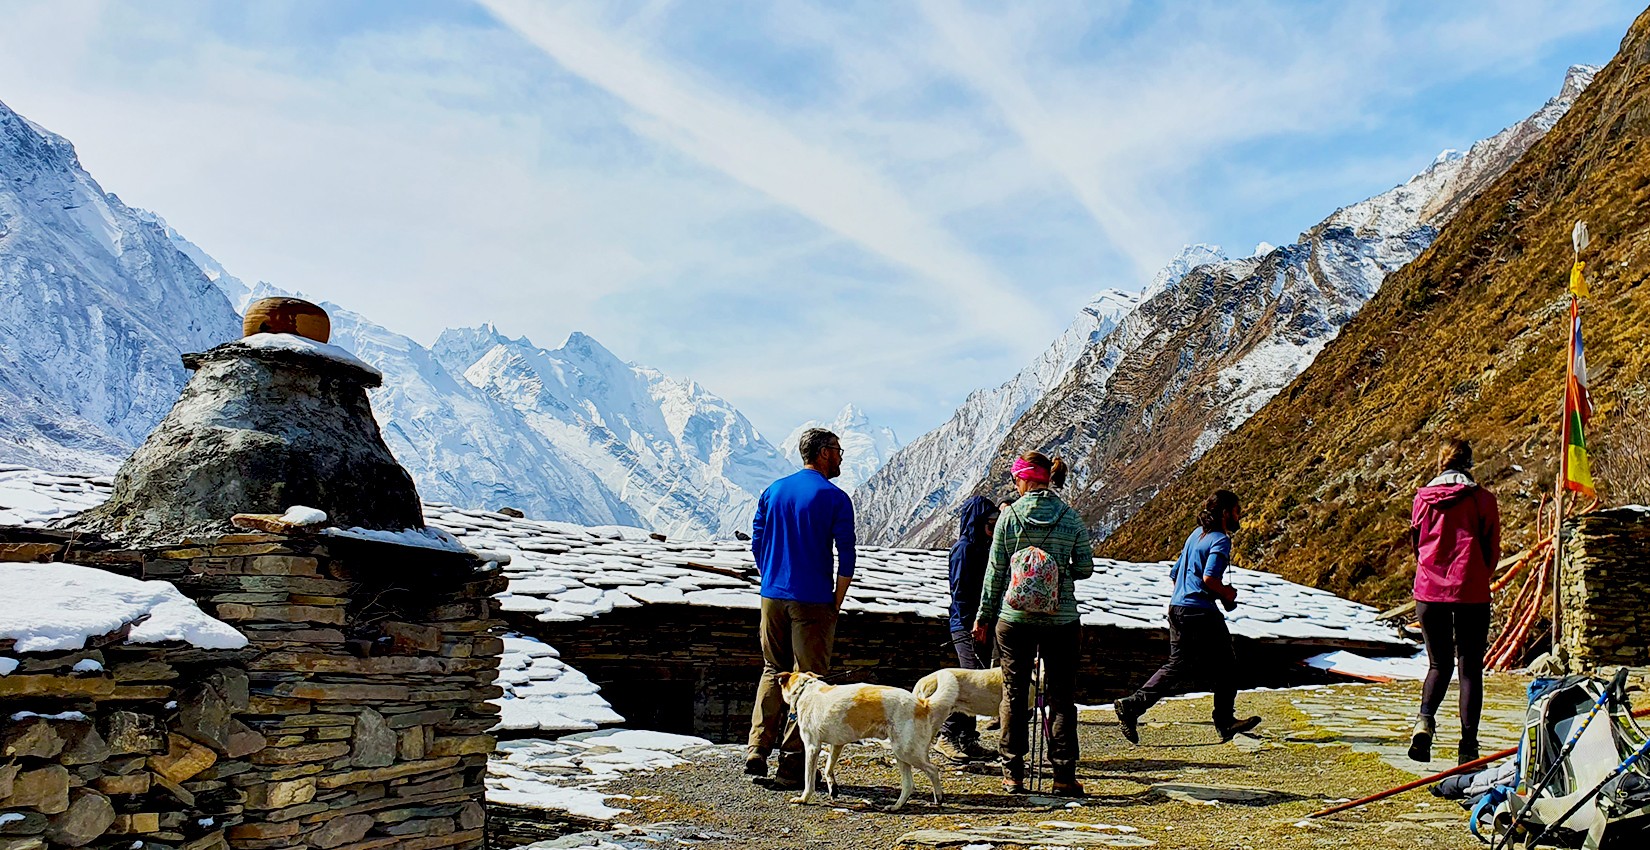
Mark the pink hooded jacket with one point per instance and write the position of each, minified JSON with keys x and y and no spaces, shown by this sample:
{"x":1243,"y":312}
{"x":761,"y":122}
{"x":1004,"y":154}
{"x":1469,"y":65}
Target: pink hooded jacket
{"x":1457,"y":528}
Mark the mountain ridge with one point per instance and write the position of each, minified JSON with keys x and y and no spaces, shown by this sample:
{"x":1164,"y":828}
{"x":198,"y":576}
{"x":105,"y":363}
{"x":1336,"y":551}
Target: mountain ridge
{"x":1464,"y":341}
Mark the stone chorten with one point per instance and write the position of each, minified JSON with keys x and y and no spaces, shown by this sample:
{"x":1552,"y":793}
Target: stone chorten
{"x":265,"y":423}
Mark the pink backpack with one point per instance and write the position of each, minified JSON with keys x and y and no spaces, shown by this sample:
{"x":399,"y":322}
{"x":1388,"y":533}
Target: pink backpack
{"x":1034,"y":576}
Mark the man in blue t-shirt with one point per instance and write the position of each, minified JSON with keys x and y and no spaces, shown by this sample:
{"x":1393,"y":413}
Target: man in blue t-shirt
{"x":1200,"y":646}
{"x":798,"y":518}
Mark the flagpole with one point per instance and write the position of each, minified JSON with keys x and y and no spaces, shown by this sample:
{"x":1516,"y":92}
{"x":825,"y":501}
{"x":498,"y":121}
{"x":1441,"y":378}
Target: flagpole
{"x":1563,"y":477}
{"x":1578,"y":242}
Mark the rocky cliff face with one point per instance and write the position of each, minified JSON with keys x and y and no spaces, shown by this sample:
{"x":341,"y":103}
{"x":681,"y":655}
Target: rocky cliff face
{"x":913,"y":496}
{"x":96,"y":307}
{"x":1464,"y":341}
{"x":1200,"y":355}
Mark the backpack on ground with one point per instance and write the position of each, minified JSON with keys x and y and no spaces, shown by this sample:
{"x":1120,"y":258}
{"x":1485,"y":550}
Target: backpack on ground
{"x":1598,"y":792}
{"x":1034,"y":575}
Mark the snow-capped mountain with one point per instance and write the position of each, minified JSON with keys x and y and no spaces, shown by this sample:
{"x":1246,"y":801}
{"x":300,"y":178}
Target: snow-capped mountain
{"x":1201,"y":354}
{"x":98,"y":300}
{"x":919,"y":488}
{"x":95,"y":308}
{"x":684,"y":460}
{"x":865,"y":446}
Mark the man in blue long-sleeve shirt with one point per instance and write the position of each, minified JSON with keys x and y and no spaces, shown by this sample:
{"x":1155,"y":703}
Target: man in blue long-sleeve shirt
{"x":798,"y":518}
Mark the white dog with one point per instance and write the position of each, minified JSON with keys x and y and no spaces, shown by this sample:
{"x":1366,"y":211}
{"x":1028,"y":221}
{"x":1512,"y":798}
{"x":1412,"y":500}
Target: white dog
{"x":979,"y":692}
{"x":836,"y":715}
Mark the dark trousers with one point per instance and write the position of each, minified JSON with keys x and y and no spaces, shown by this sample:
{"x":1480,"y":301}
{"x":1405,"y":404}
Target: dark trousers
{"x":795,"y":636}
{"x":1018,"y":645}
{"x":1200,"y":653}
{"x":960,"y":727}
{"x":1455,"y":633}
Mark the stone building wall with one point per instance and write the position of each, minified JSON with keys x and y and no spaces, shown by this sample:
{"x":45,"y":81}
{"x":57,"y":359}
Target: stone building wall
{"x":357,"y":718}
{"x":692,"y":669}
{"x":1605,"y":589}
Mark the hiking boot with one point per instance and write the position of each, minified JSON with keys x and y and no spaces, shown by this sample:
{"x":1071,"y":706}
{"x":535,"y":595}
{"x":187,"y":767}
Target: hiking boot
{"x":1067,"y":788}
{"x":789,"y":775}
{"x":1014,"y":776}
{"x":977,"y":751}
{"x":756,"y":765}
{"x":1420,"y":739}
{"x":1128,"y":719}
{"x":951,"y":748}
{"x":1237,"y":727}
{"x":1467,"y":751}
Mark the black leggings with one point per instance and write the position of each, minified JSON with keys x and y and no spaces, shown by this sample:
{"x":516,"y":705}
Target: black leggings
{"x":1455,"y":632}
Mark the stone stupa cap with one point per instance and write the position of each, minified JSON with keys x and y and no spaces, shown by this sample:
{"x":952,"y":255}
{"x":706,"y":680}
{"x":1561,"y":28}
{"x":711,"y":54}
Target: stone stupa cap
{"x":266,"y":422}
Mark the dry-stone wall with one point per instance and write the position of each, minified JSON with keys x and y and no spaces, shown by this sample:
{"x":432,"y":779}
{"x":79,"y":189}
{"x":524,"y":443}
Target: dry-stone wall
{"x":357,"y":717}
{"x":1605,"y":591}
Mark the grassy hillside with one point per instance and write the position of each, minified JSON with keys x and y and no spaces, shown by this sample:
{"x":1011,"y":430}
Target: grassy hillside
{"x":1467,"y":340}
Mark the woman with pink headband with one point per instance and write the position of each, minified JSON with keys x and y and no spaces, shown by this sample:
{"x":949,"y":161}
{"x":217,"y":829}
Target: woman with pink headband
{"x":1039,"y":549}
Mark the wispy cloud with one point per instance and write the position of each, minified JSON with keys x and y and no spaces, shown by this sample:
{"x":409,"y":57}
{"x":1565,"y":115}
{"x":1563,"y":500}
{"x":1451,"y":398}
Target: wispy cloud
{"x":750,"y":146}
{"x":800,"y":204}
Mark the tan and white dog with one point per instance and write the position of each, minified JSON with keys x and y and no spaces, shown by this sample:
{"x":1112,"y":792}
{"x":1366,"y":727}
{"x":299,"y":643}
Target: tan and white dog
{"x":979,"y":692}
{"x":837,"y":715}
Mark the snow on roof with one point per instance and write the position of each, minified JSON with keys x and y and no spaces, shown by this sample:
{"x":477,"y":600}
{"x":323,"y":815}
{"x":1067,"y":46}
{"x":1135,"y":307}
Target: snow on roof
{"x":543,"y":694}
{"x":58,"y":607}
{"x":32,"y":497}
{"x":562,"y":572}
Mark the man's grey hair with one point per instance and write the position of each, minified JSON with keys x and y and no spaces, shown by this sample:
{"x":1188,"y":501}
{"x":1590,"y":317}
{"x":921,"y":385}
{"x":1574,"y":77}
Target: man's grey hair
{"x":814,"y":441}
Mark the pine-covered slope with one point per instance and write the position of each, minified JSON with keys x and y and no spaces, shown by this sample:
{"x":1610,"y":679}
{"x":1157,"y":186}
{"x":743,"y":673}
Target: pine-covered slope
{"x":1197,"y":358}
{"x":1467,"y":340}
{"x":95,"y":308}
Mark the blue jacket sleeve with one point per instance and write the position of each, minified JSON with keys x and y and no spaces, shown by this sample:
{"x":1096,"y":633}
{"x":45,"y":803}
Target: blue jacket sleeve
{"x":758,"y":530}
{"x":842,"y":530}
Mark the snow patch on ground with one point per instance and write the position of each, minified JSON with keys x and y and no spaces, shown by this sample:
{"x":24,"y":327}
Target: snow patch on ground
{"x":566,"y":774}
{"x":58,"y":607}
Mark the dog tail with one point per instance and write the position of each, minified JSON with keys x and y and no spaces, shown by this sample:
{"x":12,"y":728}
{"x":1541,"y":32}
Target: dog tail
{"x":943,"y":694}
{"x":927,"y":685}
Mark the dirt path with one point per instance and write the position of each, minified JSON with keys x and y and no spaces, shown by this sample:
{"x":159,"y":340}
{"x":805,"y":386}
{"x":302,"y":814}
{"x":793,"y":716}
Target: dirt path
{"x":1316,"y":746}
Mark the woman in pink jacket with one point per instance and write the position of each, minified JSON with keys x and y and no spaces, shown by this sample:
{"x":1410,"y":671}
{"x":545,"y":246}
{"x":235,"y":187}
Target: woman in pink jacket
{"x":1455,"y":528}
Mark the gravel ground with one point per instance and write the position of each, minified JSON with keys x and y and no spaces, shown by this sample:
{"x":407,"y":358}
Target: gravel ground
{"x":1309,"y":760}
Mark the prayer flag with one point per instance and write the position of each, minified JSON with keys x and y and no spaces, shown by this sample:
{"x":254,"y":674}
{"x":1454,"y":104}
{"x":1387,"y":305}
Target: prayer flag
{"x":1578,"y":284}
{"x":1578,"y":411}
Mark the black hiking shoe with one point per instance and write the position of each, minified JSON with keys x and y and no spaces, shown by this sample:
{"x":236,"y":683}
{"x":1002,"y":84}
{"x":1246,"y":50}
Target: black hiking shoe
{"x":790,"y":774}
{"x":1467,"y":751}
{"x":756,"y":766}
{"x":1238,"y":727}
{"x":1128,"y":720}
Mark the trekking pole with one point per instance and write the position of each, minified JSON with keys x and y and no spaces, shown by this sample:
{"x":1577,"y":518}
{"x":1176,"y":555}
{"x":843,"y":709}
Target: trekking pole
{"x":1036,"y":732}
{"x":1586,"y":798}
{"x":1410,"y":786}
{"x":1620,"y":681}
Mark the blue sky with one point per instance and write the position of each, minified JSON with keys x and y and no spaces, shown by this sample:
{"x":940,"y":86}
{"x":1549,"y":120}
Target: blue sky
{"x":801,"y":205}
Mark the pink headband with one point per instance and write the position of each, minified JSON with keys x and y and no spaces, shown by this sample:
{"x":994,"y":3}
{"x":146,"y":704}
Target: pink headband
{"x":1030,"y":471}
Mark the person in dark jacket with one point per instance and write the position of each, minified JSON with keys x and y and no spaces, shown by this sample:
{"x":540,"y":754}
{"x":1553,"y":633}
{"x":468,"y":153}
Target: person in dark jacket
{"x":959,"y":740}
{"x":1455,"y":527}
